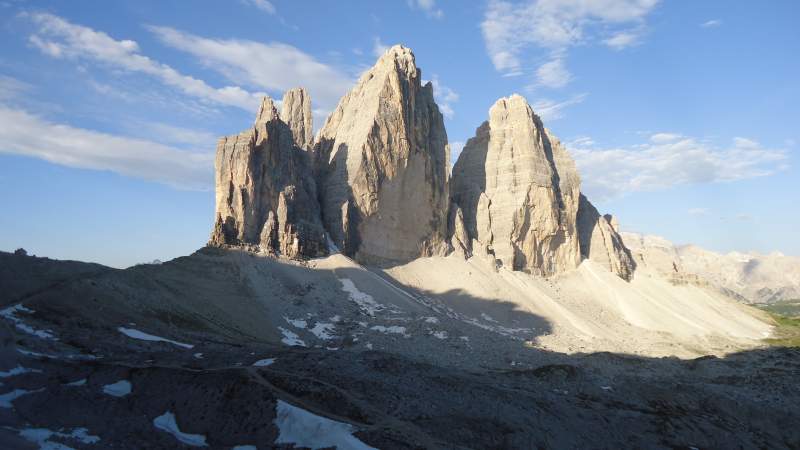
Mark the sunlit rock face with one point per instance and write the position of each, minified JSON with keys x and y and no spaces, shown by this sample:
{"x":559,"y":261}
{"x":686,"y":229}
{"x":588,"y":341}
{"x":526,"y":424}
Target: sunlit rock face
{"x":600,"y":240}
{"x":266,"y":196}
{"x":382,"y":160}
{"x":296,"y":112}
{"x":518,"y":190}
{"x":516,"y":193}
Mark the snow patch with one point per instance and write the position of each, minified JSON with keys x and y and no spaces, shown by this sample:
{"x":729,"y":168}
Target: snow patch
{"x":41,"y":436}
{"x":365,"y":302}
{"x":394,"y":329}
{"x":297,"y":323}
{"x":323,"y":330}
{"x":166,"y":422}
{"x":7,"y":398}
{"x":304,"y":429}
{"x":291,"y":339}
{"x":136,"y":334}
{"x":10,"y":313}
{"x":81,"y":382}
{"x":439,"y":334}
{"x":198,"y":355}
{"x":431,"y":319}
{"x":245,"y":447}
{"x":119,"y":389}
{"x":264,"y":362}
{"x":19,"y":370}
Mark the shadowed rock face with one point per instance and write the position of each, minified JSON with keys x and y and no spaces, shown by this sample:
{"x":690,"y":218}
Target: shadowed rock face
{"x":601,"y":242}
{"x":382,"y":164}
{"x":265,"y":193}
{"x":518,"y":191}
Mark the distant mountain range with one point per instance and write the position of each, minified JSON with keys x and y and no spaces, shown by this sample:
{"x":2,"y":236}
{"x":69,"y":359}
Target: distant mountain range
{"x":748,"y":277}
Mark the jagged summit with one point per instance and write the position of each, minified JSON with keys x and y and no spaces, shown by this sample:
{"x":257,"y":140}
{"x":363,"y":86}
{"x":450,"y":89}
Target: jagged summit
{"x":266,"y":112}
{"x":376,"y":181}
{"x":266,"y":197}
{"x":296,"y":112}
{"x":518,"y":192}
{"x":382,"y":163}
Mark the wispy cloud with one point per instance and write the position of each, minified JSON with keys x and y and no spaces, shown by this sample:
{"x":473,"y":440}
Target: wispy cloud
{"x":664,"y":163}
{"x":663,"y":138}
{"x":12,"y":87}
{"x":59,"y":38}
{"x":509,"y":29}
{"x":711,"y":23}
{"x":26,"y":134}
{"x":697,"y":211}
{"x":623,"y":39}
{"x":263,"y":5}
{"x":553,"y":74}
{"x":378,"y":47}
{"x":550,"y":110}
{"x":429,"y":6}
{"x":445,"y":97}
{"x":274,"y":66}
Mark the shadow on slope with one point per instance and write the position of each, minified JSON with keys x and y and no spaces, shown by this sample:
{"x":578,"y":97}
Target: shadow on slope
{"x":394,"y":396}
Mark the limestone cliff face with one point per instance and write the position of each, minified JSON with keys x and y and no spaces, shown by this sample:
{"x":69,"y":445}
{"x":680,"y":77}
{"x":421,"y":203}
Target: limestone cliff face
{"x":296,"y":112}
{"x":266,"y":196}
{"x":600,"y":240}
{"x":382,"y":159}
{"x":518,"y":190}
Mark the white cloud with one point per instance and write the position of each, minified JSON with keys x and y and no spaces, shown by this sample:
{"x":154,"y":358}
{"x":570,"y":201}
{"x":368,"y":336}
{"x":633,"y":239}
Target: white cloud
{"x":378,"y":47}
{"x":429,"y":6}
{"x":59,"y":38}
{"x":623,"y":39}
{"x":549,"y":110}
{"x":609,"y":173}
{"x":189,"y":137}
{"x":445,"y":97}
{"x":12,"y":87}
{"x":553,"y":74}
{"x":273,"y":66}
{"x":662,"y":138}
{"x":25,"y":134}
{"x":580,"y":141}
{"x":698,"y":211}
{"x":263,"y":5}
{"x":510,"y":28}
{"x":711,"y":23}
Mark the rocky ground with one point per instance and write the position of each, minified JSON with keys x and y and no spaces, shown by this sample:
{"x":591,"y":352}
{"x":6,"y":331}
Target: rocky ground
{"x":83,"y":367}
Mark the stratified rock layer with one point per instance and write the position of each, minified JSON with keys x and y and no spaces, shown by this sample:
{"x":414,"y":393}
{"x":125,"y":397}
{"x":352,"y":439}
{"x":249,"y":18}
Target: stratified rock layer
{"x":518,"y":190}
{"x":296,"y":112}
{"x":601,"y":242}
{"x":382,"y":163}
{"x":265,"y":193}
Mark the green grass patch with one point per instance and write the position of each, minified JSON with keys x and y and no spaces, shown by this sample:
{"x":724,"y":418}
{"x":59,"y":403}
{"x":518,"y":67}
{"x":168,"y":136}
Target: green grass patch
{"x":788,"y":308}
{"x":787,"y":331}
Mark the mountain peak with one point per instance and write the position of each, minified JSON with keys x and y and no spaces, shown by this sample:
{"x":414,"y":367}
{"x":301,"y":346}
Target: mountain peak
{"x":267,"y":111}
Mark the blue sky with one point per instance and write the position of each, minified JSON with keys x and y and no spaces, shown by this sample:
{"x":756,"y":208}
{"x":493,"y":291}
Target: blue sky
{"x":682,"y":116}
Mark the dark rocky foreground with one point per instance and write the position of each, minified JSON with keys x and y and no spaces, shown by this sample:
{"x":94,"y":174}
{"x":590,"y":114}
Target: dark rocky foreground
{"x":392,"y":398}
